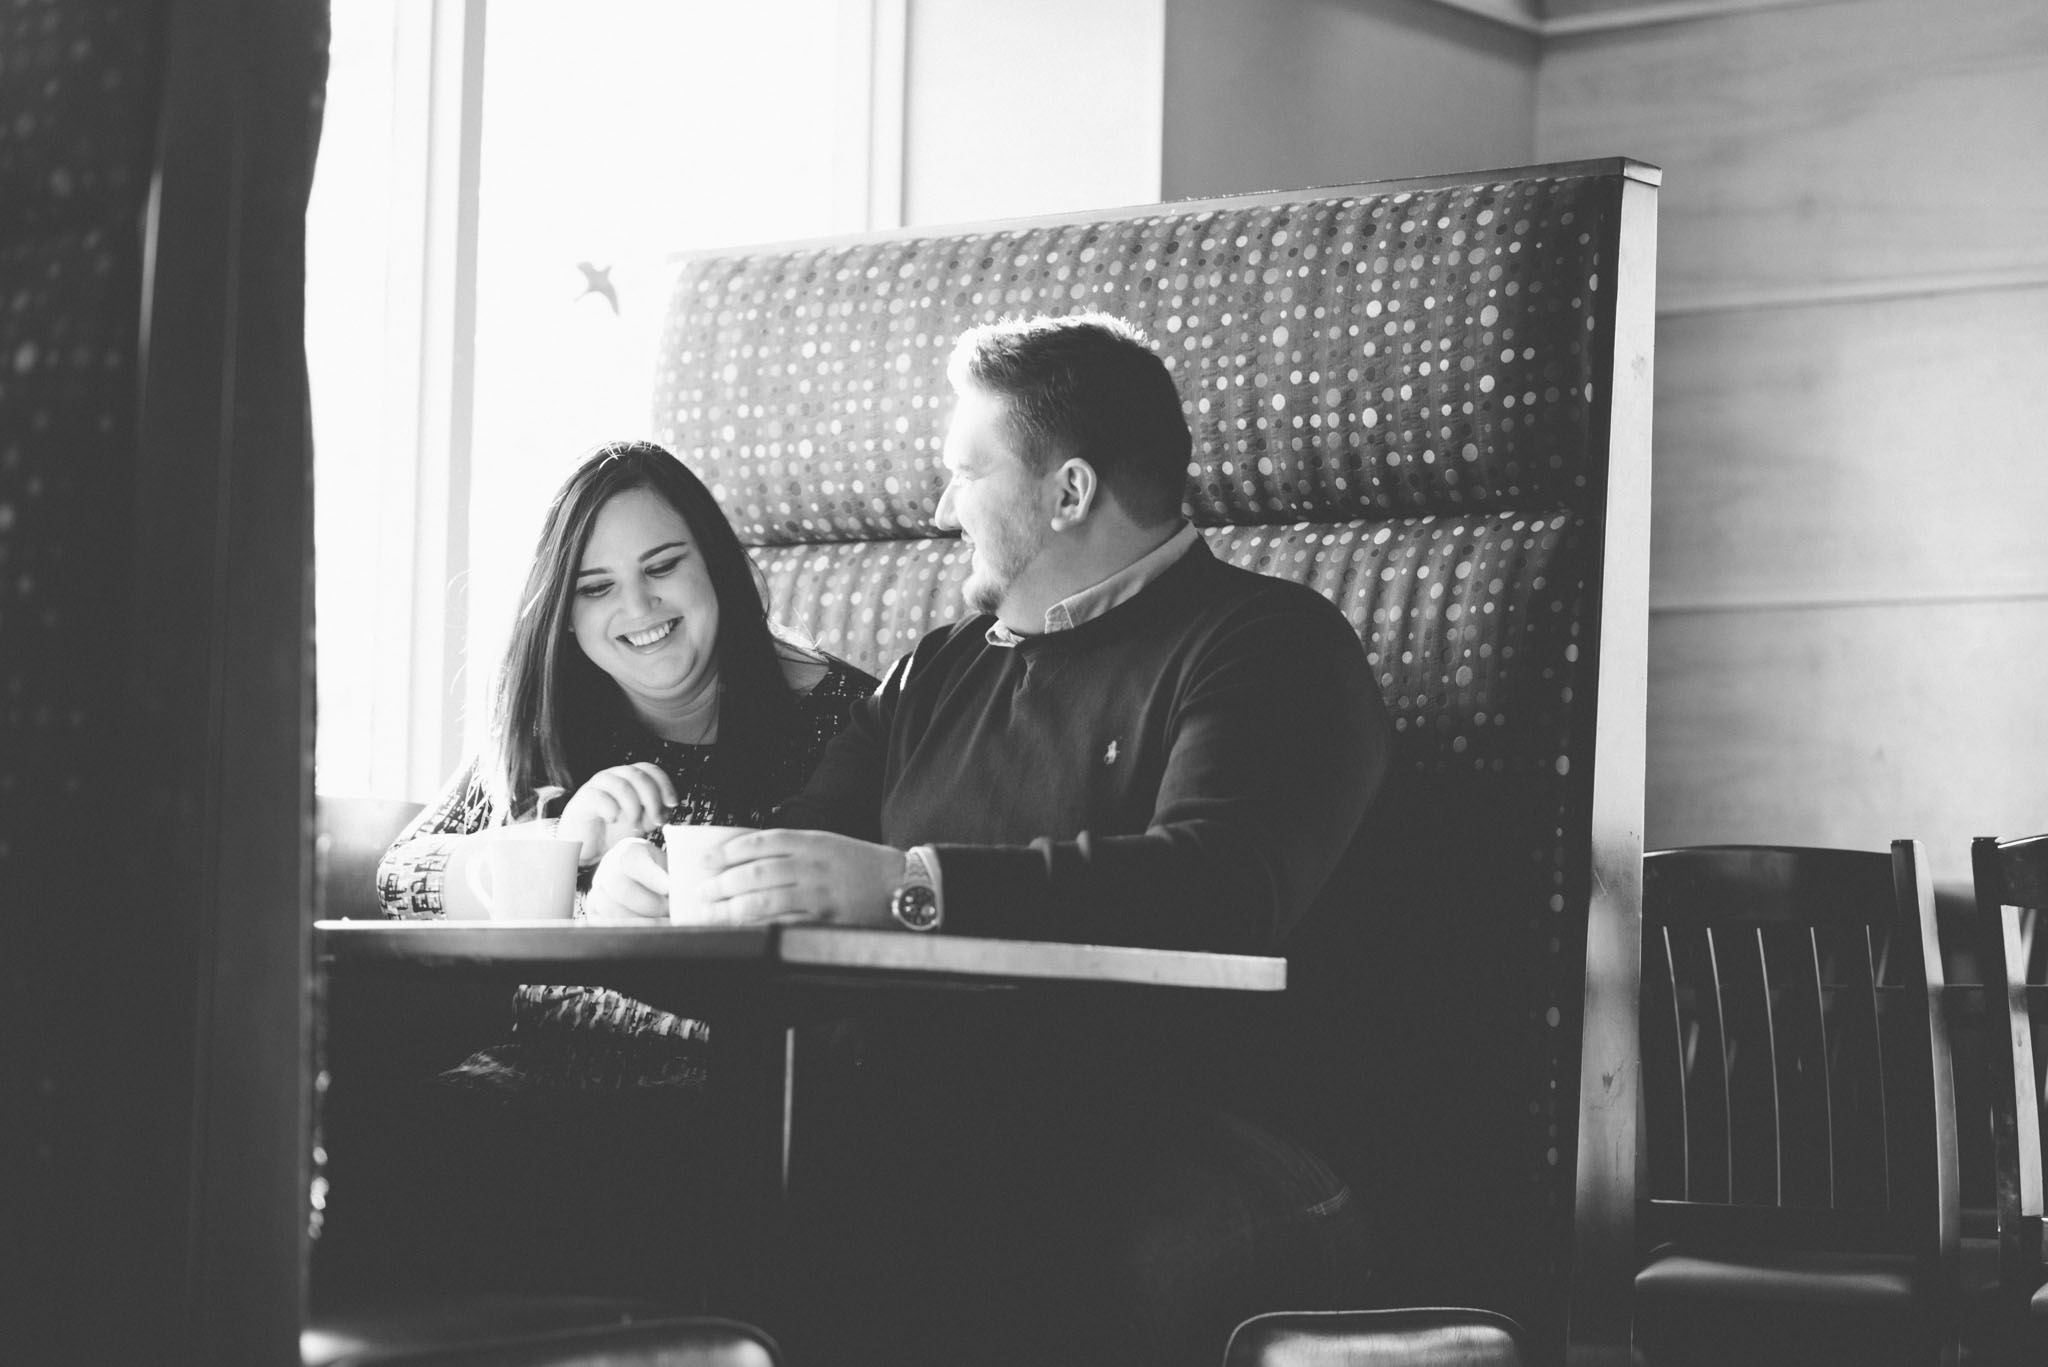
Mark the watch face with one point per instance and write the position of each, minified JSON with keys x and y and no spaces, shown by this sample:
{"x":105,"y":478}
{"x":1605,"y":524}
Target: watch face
{"x":915,"y":906}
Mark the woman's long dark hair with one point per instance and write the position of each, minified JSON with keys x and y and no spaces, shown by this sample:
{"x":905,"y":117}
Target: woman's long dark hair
{"x":556,"y":711}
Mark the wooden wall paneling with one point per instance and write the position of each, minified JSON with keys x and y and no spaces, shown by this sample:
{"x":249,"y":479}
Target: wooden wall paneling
{"x":1288,"y":93}
{"x":1560,"y":16}
{"x":1548,"y":17}
{"x":1847,"y":726}
{"x":1823,"y":148}
{"x":1093,"y":135}
{"x":1875,"y":449}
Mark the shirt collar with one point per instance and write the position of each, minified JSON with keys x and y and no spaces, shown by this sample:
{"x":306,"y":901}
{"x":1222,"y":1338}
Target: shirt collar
{"x":1097,"y":599}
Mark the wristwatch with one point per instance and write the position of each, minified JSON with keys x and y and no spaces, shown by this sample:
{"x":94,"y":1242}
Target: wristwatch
{"x":915,"y":901}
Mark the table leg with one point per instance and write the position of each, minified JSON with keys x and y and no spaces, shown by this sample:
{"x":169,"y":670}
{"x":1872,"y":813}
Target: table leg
{"x":749,"y":1087}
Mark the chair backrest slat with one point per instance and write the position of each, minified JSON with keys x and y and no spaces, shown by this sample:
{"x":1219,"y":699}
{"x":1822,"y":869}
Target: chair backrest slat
{"x":1743,"y":995}
{"x":1853,"y":1044}
{"x":1773,"y":1061}
{"x":1827,"y":1067}
{"x":1724,"y":1070}
{"x":1805,"y":1134}
{"x":1667,"y":1056}
{"x":1860,"y":1045}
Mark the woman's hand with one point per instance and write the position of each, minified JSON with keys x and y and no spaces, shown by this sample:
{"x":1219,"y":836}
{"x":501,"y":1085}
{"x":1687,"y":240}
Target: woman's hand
{"x":631,"y":880}
{"x":801,"y":875}
{"x":618,"y":804}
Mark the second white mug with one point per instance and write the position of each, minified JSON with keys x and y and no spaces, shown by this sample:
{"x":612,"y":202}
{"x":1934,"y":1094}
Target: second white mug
{"x":687,"y":848}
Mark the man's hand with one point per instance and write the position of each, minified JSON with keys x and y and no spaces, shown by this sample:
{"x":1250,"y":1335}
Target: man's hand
{"x":631,"y":880}
{"x":802,"y":875}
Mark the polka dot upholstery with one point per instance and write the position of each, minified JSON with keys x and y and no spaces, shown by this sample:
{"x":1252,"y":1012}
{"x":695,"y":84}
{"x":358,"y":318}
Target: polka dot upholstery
{"x":1397,"y":399}
{"x":1450,"y":610}
{"x":1343,"y":358}
{"x":1471,"y":624}
{"x":867,"y":602}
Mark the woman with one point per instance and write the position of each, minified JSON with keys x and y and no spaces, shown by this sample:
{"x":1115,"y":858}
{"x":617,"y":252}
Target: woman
{"x":643,"y":680}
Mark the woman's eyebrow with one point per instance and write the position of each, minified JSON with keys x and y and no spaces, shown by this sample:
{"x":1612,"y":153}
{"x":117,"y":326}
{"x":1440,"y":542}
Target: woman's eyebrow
{"x":645,"y":556}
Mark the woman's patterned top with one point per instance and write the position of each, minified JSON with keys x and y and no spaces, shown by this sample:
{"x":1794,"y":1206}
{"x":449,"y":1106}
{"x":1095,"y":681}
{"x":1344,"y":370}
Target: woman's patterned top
{"x":592,"y":1038}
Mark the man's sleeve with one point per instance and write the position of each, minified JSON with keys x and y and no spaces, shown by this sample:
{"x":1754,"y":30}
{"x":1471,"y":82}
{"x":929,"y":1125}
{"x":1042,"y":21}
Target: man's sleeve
{"x":1279,"y":743}
{"x":844,"y":794}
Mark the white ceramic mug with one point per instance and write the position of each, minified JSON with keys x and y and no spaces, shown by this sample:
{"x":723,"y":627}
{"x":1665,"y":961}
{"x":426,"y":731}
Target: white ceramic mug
{"x":524,"y":873}
{"x":687,"y":848}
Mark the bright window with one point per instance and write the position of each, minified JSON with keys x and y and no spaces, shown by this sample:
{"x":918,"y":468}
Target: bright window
{"x":594,"y":142}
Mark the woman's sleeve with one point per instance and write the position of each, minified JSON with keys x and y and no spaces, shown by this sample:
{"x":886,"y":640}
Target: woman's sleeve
{"x":414,"y":870}
{"x":843,"y":793}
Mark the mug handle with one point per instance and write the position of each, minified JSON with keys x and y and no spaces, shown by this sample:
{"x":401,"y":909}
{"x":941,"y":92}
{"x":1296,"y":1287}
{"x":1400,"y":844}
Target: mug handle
{"x":473,"y":874}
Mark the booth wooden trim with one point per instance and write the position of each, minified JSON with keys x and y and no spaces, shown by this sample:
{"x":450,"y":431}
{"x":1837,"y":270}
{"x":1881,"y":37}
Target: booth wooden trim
{"x":1610,"y":1058}
{"x":1638,"y":172}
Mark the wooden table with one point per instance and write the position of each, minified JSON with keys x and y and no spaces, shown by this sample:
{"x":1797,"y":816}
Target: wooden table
{"x":754,"y":983}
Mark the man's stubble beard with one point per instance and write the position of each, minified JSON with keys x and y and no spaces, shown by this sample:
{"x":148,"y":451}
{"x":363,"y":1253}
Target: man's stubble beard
{"x":1006,"y":556}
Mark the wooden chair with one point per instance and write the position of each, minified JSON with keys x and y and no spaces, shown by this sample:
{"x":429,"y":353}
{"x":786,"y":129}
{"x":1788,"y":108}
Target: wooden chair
{"x":553,"y":1332}
{"x":1380,"y":1338}
{"x":2012,"y":913}
{"x":1800,"y":1126}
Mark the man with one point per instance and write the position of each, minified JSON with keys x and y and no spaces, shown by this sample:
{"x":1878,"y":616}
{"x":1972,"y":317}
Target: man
{"x":1128,"y":743}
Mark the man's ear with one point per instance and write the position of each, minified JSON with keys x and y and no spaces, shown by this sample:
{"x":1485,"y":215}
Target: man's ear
{"x":1075,"y":490}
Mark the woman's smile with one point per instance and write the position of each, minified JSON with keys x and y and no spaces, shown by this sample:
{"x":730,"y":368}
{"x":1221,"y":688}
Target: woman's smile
{"x":649,"y":637}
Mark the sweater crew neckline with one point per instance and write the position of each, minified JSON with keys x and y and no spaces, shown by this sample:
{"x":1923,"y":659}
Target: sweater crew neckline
{"x":1168,"y":584}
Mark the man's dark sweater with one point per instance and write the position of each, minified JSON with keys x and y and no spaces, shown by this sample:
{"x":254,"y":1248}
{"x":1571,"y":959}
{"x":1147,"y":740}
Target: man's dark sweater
{"x":1187,"y":770}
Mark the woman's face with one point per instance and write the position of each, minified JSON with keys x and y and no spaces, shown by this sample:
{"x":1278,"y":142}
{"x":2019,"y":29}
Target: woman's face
{"x":644,"y":610}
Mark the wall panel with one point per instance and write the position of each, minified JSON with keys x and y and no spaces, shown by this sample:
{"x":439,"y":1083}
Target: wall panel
{"x":1876,"y":449}
{"x":1008,"y":111}
{"x":1284,"y":94}
{"x":1560,"y":15}
{"x":1824,"y":147}
{"x":1849,"y":726}
{"x":1849,"y":567}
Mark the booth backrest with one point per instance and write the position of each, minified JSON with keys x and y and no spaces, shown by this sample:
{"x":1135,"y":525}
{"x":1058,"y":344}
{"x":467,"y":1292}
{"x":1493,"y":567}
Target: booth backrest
{"x":1428,"y":400}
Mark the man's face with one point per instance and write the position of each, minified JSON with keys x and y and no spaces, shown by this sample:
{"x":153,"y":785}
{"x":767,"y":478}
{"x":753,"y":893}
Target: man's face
{"x":992,"y":497}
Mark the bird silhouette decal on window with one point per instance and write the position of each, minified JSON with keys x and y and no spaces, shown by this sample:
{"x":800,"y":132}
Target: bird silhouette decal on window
{"x":598,"y":280}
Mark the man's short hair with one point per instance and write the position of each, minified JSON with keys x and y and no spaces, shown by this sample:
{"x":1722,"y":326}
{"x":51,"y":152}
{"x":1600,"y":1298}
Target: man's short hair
{"x":1090,"y":386}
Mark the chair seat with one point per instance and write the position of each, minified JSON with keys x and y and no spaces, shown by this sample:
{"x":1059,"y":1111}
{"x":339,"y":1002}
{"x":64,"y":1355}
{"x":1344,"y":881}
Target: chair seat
{"x":1765,"y":1308}
{"x":524,"y":1329}
{"x":1378,"y":1338}
{"x":1862,"y":1281}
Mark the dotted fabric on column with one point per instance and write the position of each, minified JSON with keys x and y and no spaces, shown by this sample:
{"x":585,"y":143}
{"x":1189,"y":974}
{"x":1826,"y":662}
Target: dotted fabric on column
{"x":78,"y":103}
